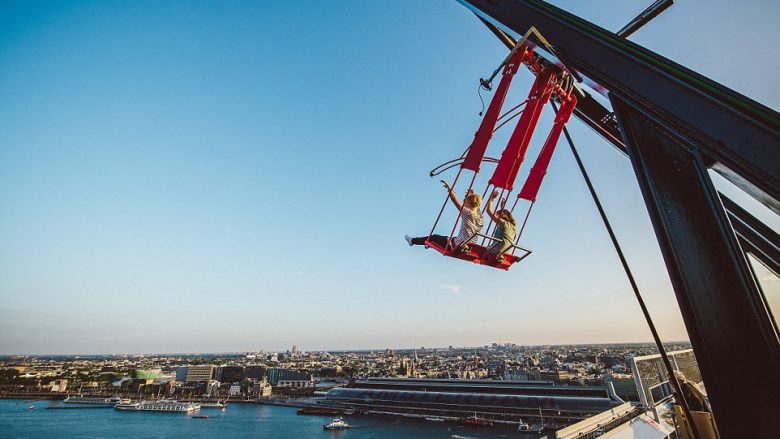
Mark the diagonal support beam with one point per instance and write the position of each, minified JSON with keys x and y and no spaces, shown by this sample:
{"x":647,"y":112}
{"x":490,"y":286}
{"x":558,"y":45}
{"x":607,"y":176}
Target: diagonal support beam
{"x":722,"y":306}
{"x":739,"y":136}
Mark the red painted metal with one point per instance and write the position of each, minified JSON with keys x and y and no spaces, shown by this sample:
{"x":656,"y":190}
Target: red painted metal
{"x":506,"y":171}
{"x":531,"y":187}
{"x":479,"y":145}
{"x":477,"y":254}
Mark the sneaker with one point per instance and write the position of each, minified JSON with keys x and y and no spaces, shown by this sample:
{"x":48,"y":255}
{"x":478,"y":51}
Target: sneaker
{"x":408,"y":239}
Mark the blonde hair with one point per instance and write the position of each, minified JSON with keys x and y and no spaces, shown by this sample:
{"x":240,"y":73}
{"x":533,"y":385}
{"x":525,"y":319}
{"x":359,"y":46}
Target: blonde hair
{"x":474,"y":200}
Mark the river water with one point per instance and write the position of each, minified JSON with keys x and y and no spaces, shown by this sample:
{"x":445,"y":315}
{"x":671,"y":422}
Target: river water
{"x":237,"y":421}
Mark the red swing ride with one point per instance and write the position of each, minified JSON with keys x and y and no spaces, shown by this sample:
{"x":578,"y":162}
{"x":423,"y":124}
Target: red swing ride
{"x":552,"y":83}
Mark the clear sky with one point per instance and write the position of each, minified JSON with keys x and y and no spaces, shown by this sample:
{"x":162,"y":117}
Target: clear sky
{"x":192,"y":176}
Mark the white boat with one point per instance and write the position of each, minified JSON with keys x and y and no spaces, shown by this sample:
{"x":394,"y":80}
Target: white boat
{"x":213,"y":405}
{"x":524,"y":426}
{"x":165,"y":405}
{"x":93,"y":400}
{"x":336,"y":424}
{"x":435,"y":419}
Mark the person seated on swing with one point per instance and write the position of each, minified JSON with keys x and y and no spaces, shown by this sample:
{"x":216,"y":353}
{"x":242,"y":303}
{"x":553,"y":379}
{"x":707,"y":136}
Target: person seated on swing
{"x":506,"y":229}
{"x":471,"y":222}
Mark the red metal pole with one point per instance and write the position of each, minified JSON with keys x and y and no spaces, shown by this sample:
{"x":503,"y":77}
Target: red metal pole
{"x":513,"y":154}
{"x":531,"y":187}
{"x":485,"y":132}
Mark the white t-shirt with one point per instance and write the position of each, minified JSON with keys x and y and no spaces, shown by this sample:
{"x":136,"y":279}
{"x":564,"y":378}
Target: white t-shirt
{"x":470,"y":224}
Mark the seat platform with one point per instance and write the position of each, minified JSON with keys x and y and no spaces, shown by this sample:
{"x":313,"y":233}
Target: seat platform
{"x":477,"y":255}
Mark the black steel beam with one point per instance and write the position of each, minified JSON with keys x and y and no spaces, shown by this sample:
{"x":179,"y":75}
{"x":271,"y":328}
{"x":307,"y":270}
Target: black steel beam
{"x":739,"y":134}
{"x":754,"y":236}
{"x":642,"y":19}
{"x":588,"y":110}
{"x":724,"y":311}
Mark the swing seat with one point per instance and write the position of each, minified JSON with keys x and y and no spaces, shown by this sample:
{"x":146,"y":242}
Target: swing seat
{"x":478,"y":254}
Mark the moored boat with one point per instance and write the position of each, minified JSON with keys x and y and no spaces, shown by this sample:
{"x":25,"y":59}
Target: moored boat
{"x":336,"y":424}
{"x":113,"y":400}
{"x":476,"y":421}
{"x":169,"y":406}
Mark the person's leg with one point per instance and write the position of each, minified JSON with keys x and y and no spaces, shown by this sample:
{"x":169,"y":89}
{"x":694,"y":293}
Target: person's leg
{"x":438,"y":239}
{"x":418,"y":241}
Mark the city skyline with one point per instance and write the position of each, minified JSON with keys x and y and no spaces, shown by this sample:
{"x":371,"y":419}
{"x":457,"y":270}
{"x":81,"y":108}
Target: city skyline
{"x":336,"y":351}
{"x":194,"y":177}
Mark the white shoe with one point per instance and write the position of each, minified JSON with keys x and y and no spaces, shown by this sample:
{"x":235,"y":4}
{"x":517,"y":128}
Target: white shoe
{"x":408,"y":239}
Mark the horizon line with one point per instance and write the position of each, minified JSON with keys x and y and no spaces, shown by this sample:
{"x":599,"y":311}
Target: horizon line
{"x":338,"y":350}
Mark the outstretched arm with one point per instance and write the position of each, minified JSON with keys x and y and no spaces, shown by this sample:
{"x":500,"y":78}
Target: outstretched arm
{"x":453,"y":197}
{"x":490,"y":210}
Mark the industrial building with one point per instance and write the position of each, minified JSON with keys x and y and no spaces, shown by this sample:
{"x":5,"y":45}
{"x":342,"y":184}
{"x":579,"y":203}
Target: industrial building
{"x":494,"y":401}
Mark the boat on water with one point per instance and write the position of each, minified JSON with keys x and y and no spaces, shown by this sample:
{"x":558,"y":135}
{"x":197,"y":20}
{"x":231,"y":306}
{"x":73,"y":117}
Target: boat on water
{"x":435,"y":419}
{"x":165,"y":405}
{"x":336,"y":424}
{"x":113,"y":400}
{"x":213,"y":405}
{"x":200,"y":416}
{"x":525,"y":427}
{"x":476,"y":421}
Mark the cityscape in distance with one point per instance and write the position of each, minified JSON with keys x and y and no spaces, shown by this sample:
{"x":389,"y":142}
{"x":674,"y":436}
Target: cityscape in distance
{"x":263,"y":374}
{"x":198,"y":199}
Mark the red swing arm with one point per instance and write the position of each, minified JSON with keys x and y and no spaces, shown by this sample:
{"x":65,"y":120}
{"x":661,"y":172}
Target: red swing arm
{"x":476,"y":151}
{"x":531,"y":187}
{"x":506,"y":172}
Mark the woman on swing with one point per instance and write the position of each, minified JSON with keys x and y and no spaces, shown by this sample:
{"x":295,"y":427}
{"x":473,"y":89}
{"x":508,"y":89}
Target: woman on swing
{"x":505,"y":231}
{"x":470,"y":222}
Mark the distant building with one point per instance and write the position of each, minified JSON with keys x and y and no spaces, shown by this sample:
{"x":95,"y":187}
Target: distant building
{"x":296,"y":384}
{"x":505,"y":400}
{"x":330,"y":372}
{"x":232,"y":374}
{"x":199,"y":373}
{"x":212,"y":387}
{"x":289,"y":378}
{"x":254,"y":372}
{"x":261,"y":389}
{"x":555,"y":375}
{"x":60,"y":385}
{"x":235,"y":390}
{"x":181,"y":373}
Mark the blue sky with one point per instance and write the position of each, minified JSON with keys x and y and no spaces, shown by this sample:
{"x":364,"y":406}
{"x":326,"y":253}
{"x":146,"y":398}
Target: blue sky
{"x":229,"y":176}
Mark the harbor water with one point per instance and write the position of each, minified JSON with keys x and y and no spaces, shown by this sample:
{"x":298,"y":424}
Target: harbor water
{"x":17,"y":420}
